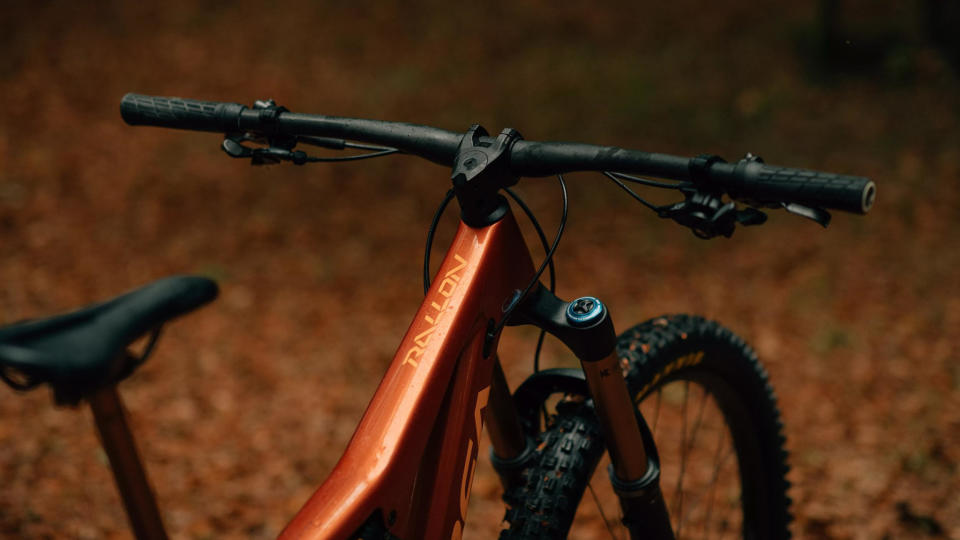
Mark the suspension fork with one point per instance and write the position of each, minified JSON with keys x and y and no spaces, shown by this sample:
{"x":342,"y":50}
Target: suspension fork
{"x":585,"y":326}
{"x":480,"y":170}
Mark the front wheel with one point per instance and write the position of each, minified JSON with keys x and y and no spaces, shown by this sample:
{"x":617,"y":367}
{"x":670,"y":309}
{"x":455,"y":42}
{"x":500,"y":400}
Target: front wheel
{"x":718,"y":433}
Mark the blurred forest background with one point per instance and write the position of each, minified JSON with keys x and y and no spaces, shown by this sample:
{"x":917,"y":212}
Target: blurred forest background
{"x":246,"y":405}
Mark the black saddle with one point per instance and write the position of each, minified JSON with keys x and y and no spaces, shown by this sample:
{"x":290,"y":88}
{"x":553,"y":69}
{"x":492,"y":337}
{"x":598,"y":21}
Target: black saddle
{"x":81,"y":351}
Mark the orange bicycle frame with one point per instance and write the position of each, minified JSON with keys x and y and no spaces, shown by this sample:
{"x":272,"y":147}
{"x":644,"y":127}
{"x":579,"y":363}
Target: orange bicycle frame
{"x":414,"y":452}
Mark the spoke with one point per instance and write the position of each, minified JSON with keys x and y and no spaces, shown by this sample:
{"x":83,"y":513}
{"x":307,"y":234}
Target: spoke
{"x":725,"y":522}
{"x":719,"y":461}
{"x":689,"y":448}
{"x":603,"y":516}
{"x":656,"y":412}
{"x":696,"y":425}
{"x":683,"y":459}
{"x":713,"y":478}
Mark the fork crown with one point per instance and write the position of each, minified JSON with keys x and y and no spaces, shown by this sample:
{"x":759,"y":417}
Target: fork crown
{"x":586,"y":330}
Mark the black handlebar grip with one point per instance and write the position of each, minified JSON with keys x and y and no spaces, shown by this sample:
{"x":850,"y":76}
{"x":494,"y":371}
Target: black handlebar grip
{"x":758,"y":181}
{"x":179,"y":113}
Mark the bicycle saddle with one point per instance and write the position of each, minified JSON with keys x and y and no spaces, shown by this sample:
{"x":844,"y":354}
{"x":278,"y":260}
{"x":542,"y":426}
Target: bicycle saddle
{"x":78,"y":352}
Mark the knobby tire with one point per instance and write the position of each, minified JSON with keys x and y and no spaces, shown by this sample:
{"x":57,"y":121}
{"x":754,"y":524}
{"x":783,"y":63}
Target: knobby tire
{"x":661,"y":355}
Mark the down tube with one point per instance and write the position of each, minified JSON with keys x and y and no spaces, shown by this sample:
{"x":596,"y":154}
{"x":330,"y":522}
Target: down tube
{"x":413,"y":454}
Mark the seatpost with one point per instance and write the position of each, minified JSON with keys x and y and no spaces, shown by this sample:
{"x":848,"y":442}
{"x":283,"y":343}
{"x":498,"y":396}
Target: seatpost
{"x":128,"y":472}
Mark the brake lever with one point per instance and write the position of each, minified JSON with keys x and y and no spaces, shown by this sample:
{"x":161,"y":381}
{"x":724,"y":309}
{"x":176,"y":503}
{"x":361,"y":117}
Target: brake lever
{"x":750,"y":216}
{"x":812,"y":213}
{"x":278,"y":147}
{"x":704,"y":214}
{"x":234,"y":147}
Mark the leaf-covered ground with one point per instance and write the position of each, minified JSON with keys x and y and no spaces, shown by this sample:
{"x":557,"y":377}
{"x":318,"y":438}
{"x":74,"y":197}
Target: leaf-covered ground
{"x":245,"y":406}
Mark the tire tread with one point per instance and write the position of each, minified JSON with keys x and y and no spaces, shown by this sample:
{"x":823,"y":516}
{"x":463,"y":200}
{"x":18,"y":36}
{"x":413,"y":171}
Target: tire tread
{"x":569,"y":449}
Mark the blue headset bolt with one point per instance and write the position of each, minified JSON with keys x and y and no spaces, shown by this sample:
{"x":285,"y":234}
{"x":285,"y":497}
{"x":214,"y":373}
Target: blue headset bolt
{"x":585,"y":311}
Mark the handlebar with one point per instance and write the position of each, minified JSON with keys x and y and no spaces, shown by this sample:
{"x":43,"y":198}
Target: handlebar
{"x":747,"y":180}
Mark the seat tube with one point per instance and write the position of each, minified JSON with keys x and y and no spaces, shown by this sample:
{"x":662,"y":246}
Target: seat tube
{"x":131,"y":479}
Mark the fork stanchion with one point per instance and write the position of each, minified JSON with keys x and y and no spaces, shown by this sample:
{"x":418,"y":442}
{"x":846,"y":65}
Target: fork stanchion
{"x":511,"y":450}
{"x":618,"y":417}
{"x":138,"y":499}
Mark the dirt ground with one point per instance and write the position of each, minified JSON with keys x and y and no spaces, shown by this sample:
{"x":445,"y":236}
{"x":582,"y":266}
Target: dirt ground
{"x":246,"y":405}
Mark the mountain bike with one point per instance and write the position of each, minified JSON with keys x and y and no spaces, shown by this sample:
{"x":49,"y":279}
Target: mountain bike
{"x":679,"y":405}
